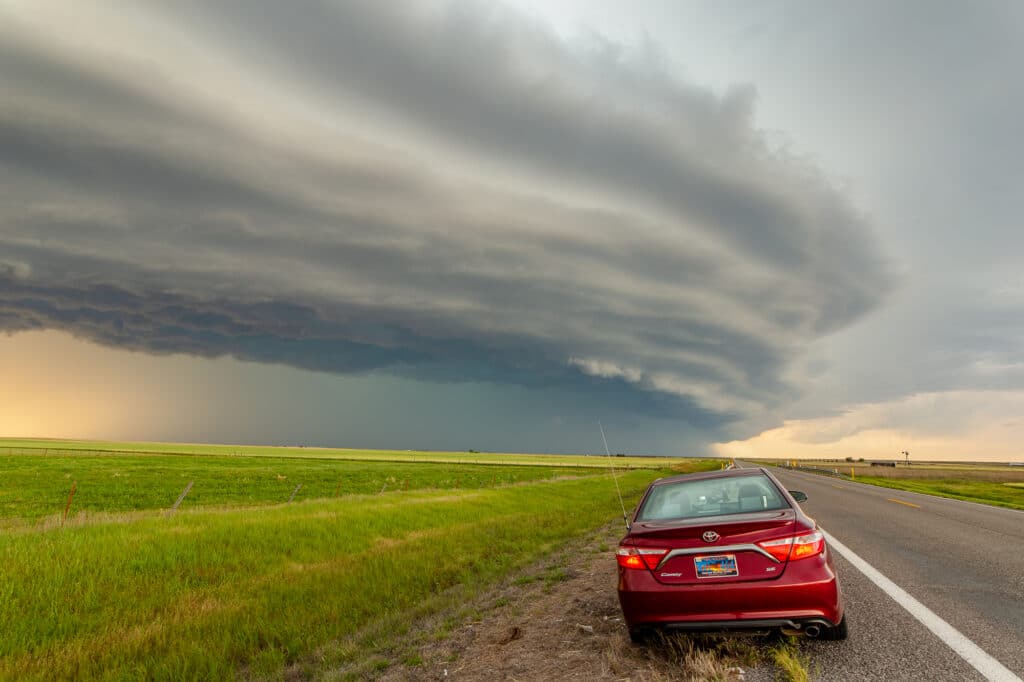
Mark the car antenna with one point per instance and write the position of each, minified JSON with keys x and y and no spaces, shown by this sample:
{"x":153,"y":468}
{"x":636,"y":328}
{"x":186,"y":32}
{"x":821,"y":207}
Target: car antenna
{"x":614,"y":477}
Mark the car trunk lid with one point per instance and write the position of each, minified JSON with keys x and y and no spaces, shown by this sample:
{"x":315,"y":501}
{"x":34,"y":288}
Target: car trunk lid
{"x":716,"y":549}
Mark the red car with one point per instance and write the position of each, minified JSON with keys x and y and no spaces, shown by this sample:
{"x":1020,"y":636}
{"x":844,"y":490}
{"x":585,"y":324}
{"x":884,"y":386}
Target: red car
{"x":727,"y":550}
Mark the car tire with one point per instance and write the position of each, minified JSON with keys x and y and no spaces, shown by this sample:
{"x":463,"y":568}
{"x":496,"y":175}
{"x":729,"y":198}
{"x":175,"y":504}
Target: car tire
{"x":837,"y":633}
{"x":639,"y":635}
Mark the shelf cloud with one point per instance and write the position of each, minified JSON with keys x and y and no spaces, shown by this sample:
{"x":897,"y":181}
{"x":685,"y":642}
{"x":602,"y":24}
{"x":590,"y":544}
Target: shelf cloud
{"x":446,"y":192}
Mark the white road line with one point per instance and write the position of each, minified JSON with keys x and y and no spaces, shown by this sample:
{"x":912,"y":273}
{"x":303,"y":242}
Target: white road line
{"x":989,"y":667}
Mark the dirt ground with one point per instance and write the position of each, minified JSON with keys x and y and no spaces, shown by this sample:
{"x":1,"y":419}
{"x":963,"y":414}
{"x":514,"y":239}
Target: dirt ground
{"x":560,"y":620}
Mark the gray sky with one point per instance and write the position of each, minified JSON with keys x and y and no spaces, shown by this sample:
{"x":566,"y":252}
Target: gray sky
{"x":776,"y":227}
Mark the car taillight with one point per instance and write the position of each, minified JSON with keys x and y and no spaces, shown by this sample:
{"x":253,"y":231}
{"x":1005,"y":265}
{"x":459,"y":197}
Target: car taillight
{"x":778,"y":548}
{"x":639,"y":557}
{"x":807,"y":545}
{"x":797,"y":547}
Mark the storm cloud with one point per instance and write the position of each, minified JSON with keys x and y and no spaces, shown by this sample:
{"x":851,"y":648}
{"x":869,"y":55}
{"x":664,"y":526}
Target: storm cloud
{"x":447,"y":192}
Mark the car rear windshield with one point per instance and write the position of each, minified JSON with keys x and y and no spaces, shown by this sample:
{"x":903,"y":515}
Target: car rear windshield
{"x":711,"y":497}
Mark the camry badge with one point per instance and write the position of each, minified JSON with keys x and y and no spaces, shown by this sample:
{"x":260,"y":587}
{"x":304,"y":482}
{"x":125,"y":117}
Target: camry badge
{"x":710,"y":536}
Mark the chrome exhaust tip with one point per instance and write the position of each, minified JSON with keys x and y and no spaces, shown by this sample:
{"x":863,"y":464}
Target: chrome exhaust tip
{"x":812,"y":630}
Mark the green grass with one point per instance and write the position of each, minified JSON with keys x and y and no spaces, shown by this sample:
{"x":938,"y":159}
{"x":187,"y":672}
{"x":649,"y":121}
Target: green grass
{"x":239,"y":584}
{"x":985,"y":484}
{"x":790,"y":662}
{"x":34,"y":486}
{"x":205,"y":594}
{"x":51,"y":446}
{"x":985,"y":492}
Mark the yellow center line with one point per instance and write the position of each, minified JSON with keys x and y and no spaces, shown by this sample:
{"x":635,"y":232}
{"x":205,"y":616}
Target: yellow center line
{"x":909,"y":504}
{"x":841,"y":487}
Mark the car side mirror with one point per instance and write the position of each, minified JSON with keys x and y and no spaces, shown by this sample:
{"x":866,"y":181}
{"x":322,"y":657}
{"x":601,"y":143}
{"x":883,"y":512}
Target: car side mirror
{"x":798,"y":496}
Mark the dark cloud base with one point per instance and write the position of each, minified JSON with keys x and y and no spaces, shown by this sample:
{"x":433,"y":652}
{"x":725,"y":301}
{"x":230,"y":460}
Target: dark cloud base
{"x":284,"y":333}
{"x":471,"y":200}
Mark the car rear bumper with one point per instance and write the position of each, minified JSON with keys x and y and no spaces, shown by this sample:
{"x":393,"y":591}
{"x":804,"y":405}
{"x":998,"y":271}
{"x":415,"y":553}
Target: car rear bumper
{"x":807,"y":592}
{"x":757,"y":624}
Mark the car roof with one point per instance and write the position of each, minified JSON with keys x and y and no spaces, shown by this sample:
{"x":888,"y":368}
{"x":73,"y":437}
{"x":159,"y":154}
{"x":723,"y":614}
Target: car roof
{"x":721,"y":473}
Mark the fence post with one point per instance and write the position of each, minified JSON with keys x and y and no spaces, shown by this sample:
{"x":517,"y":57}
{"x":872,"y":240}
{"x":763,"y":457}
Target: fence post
{"x":181,"y":497}
{"x":71,"y":496}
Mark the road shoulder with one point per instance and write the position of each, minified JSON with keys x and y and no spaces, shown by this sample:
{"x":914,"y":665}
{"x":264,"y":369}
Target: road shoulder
{"x":560,"y":619}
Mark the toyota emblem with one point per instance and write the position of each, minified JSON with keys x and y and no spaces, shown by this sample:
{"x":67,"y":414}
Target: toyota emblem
{"x":710,"y":536}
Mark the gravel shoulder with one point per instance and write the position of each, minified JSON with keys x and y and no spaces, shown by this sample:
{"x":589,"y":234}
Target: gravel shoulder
{"x":560,"y":620}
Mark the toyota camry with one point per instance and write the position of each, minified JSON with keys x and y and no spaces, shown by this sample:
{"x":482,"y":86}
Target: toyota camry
{"x":727,"y":550}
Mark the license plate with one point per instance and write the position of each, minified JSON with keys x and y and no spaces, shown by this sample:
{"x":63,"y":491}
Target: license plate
{"x":718,"y":566}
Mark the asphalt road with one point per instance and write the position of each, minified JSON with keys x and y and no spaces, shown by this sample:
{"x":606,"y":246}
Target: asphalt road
{"x":963,"y":561}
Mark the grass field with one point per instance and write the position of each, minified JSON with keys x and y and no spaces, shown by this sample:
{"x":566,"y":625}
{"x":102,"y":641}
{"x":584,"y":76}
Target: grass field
{"x":987,"y":483}
{"x":34,"y":486}
{"x":597,"y":460}
{"x":225,"y":589}
{"x":982,"y":471}
{"x":987,"y":492}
